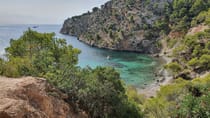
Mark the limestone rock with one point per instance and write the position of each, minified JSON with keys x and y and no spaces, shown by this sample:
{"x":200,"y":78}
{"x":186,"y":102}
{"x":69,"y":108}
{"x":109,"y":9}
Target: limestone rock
{"x":32,"y":98}
{"x":119,"y":25}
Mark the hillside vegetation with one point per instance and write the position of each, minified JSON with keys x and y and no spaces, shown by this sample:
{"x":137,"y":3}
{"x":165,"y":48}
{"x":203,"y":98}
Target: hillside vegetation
{"x":171,"y":22}
{"x":99,"y":92}
{"x":134,"y":25}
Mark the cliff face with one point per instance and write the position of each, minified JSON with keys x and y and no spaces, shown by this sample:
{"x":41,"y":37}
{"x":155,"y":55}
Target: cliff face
{"x":120,"y":25}
{"x":32,"y":98}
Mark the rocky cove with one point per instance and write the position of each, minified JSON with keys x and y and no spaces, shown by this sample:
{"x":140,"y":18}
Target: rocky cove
{"x":135,"y":68}
{"x":125,"y":59}
{"x":124,"y":25}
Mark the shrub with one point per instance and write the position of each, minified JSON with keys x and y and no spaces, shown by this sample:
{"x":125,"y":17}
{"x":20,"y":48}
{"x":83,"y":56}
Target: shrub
{"x":174,"y":67}
{"x":99,"y":92}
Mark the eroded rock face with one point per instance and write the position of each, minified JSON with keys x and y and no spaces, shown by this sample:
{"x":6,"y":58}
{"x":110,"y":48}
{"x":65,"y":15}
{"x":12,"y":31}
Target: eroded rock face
{"x":119,"y":25}
{"x":32,"y":98}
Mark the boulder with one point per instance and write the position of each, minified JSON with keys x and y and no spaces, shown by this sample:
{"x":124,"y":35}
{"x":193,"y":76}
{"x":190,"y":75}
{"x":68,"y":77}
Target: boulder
{"x":28,"y":97}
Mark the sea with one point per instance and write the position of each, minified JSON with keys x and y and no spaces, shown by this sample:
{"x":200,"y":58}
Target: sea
{"x":135,"y":69}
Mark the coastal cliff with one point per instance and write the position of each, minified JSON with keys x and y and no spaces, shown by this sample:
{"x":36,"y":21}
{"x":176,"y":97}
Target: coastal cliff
{"x":127,"y":25}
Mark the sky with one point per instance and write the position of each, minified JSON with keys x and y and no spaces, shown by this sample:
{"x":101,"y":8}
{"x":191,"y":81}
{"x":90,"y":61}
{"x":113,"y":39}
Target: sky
{"x":43,"y":11}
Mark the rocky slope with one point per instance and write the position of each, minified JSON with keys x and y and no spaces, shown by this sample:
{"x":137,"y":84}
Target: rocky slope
{"x":32,"y":98}
{"x":120,"y":25}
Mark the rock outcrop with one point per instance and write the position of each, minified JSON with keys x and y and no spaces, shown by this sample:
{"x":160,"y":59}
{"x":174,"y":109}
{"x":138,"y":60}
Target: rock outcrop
{"x":127,"y":25}
{"x":32,"y":98}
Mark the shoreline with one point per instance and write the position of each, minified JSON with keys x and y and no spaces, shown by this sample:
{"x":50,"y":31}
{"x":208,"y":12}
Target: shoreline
{"x":163,"y":78}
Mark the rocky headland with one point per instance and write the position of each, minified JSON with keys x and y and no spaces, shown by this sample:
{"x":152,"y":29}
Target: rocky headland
{"x":126,"y":25}
{"x":156,"y":27}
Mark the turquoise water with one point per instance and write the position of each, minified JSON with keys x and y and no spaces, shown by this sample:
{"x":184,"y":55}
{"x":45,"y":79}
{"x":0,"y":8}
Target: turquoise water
{"x":135,"y":69}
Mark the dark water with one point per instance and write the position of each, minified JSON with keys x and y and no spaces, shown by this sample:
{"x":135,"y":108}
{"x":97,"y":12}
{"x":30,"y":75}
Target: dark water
{"x":135,"y":69}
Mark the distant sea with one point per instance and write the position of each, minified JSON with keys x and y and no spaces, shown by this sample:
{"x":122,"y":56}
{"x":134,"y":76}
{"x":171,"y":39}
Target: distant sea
{"x":135,"y":69}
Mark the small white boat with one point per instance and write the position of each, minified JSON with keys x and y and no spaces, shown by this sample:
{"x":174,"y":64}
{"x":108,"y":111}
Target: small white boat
{"x":108,"y":57}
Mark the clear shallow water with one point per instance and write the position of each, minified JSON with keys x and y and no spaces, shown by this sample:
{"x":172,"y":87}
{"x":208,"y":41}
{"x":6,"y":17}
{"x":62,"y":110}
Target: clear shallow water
{"x":135,"y":69}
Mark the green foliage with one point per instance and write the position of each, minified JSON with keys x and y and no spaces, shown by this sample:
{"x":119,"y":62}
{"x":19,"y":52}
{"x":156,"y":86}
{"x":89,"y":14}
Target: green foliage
{"x":111,"y":34}
{"x":162,"y":25}
{"x":99,"y":92}
{"x":36,"y":54}
{"x":194,"y":52}
{"x":16,"y":67}
{"x":205,"y":61}
{"x":89,"y":36}
{"x":203,"y":17}
{"x":145,"y":26}
{"x":131,"y":19}
{"x":193,"y":62}
{"x":171,"y":42}
{"x":195,"y":107}
{"x":181,"y":99}
{"x":172,"y":92}
{"x":134,"y":96}
{"x":1,"y":66}
{"x":155,"y":108}
{"x":180,"y":15}
{"x":174,"y":67}
{"x":95,"y":9}
{"x":98,"y":37}
{"x":183,"y":11}
{"x":195,"y":103}
{"x":165,"y":103}
{"x":130,"y":2}
{"x":103,"y":88}
{"x":147,"y":2}
{"x":158,"y":44}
